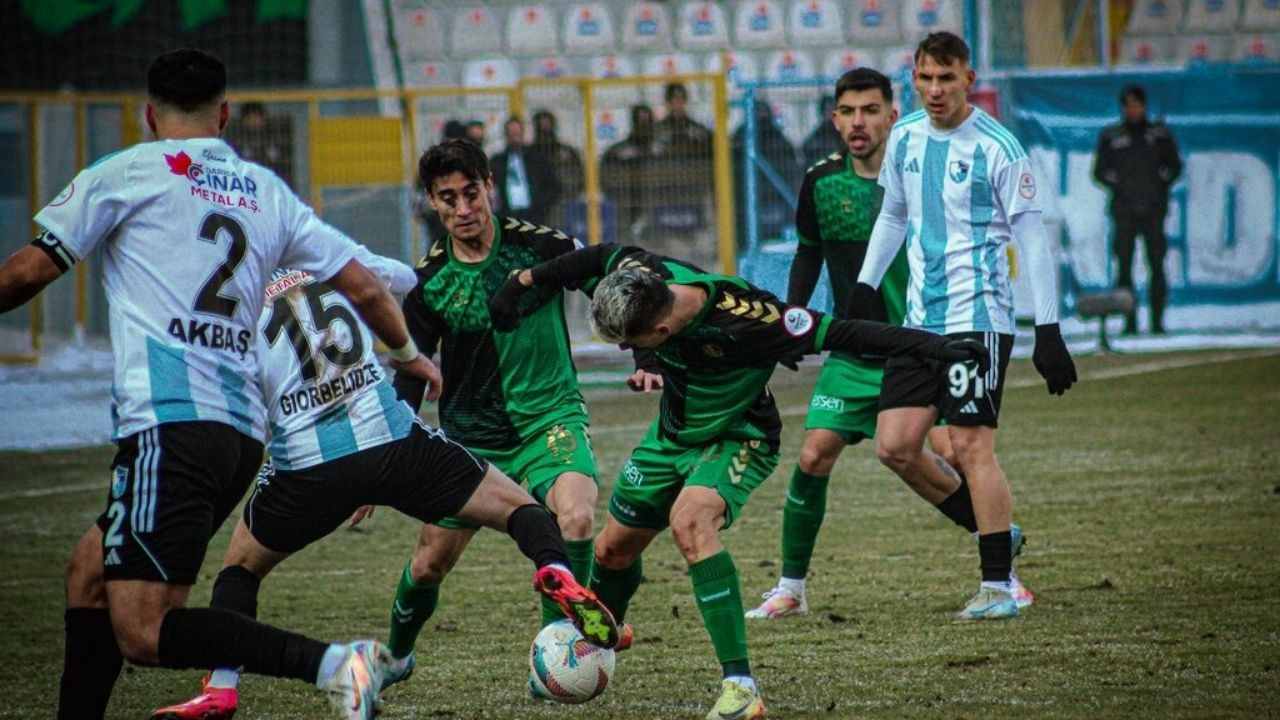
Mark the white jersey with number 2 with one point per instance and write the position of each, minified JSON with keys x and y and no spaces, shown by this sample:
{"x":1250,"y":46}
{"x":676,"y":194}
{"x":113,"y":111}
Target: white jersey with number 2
{"x":190,"y":235}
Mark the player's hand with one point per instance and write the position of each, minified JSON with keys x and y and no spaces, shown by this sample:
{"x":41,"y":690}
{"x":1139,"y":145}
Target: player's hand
{"x":504,"y":306}
{"x":360,"y":514}
{"x":423,"y":369}
{"x":862,"y":302}
{"x":643,"y":381}
{"x":1052,"y":360}
{"x":954,"y":350}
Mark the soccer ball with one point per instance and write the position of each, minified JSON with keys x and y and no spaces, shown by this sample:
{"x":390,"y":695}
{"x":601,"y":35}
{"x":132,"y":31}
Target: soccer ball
{"x":566,"y":668}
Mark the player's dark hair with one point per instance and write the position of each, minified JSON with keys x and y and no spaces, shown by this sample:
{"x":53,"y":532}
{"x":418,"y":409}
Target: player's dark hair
{"x":187,"y":79}
{"x":629,"y":302}
{"x":944,"y":47}
{"x":864,"y":78}
{"x":1133,"y":92}
{"x":451,"y":156}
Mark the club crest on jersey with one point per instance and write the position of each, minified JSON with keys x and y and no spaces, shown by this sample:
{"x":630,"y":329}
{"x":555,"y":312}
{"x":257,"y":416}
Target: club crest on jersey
{"x":797,"y":321}
{"x":958,"y":170}
{"x":1027,"y":186}
{"x":119,"y":481}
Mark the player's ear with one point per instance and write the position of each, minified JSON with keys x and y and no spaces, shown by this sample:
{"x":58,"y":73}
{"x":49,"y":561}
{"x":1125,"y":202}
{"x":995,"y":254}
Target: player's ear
{"x":970,"y":77}
{"x":150,"y":115}
{"x":224,"y":115}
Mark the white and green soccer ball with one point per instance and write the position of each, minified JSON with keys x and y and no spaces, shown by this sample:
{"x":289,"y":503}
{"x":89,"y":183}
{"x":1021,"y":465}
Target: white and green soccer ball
{"x":566,"y":668}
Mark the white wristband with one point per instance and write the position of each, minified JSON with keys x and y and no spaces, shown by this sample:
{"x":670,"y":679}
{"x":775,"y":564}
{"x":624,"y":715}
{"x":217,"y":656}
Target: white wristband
{"x":406,"y":353}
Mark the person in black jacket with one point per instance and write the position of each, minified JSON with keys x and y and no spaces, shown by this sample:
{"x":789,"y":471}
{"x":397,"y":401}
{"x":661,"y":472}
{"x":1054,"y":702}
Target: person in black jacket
{"x":523,"y":178}
{"x":1137,"y":160}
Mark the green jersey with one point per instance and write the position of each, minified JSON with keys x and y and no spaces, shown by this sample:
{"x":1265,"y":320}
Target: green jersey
{"x":500,"y":389}
{"x":836,"y":211}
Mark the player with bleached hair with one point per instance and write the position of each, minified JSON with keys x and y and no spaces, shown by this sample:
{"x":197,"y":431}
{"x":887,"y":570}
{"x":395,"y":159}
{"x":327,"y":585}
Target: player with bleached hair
{"x":961,"y":188}
{"x":711,"y":342}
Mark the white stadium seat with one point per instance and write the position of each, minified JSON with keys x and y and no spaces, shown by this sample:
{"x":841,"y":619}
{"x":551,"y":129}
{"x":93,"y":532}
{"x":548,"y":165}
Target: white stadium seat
{"x":1261,"y":16}
{"x":646,"y":26}
{"x":759,"y":24}
{"x":588,"y":29}
{"x":1203,"y":48}
{"x":1211,"y":15}
{"x":1154,"y":17}
{"x":839,"y":62}
{"x":489,"y":72}
{"x":420,"y":32}
{"x":702,"y":26}
{"x":898,"y":63}
{"x":814,"y":23}
{"x":551,"y":66}
{"x":921,"y":17}
{"x":559,"y":95}
{"x":614,"y":66}
{"x":611,"y":125}
{"x":428,"y":73}
{"x":1257,"y":48}
{"x":742,"y":66}
{"x":875,"y":22}
{"x":665,"y":65}
{"x":1137,"y":50}
{"x":475,"y":32}
{"x":785,"y":65}
{"x":532,"y":30}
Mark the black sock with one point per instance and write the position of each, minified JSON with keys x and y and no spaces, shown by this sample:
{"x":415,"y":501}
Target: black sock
{"x":958,"y":507}
{"x":90,"y":666}
{"x":208,"y":638}
{"x":534,"y":529}
{"x":236,"y":589}
{"x":996,"y":554}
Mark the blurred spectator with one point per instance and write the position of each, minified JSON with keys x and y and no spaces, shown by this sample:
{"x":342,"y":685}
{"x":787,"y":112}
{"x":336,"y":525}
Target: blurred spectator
{"x":1138,"y":161}
{"x":263,"y":140}
{"x":624,"y":168}
{"x":824,"y":139}
{"x":679,"y":134}
{"x":564,"y":158}
{"x":453,"y":129}
{"x":475,"y":132}
{"x":778,"y":177}
{"x":523,"y":178}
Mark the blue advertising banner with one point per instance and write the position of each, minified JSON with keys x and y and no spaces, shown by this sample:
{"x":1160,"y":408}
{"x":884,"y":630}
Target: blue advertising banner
{"x":1224,"y":210}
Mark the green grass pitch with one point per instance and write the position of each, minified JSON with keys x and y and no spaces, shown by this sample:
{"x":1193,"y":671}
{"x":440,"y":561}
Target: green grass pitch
{"x":1150,"y":494}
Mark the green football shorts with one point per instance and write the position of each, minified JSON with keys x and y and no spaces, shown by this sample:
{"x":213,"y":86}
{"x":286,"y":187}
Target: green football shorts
{"x":539,"y":461}
{"x":846,"y":398}
{"x":659,"y":469}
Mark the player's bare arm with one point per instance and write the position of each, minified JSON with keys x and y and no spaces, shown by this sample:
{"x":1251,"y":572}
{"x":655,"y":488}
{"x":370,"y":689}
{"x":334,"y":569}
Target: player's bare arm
{"x":24,"y":275}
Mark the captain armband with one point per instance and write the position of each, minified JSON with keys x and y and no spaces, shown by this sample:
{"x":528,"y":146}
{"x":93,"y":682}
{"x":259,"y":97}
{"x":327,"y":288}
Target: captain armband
{"x":55,"y":249}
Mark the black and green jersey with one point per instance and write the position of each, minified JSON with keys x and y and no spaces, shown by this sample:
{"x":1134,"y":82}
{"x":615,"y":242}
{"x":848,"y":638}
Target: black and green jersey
{"x":500,"y":389}
{"x":836,"y":211}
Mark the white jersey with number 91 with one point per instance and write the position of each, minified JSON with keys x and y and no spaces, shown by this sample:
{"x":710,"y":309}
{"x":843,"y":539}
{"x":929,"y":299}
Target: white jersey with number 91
{"x":190,"y":235}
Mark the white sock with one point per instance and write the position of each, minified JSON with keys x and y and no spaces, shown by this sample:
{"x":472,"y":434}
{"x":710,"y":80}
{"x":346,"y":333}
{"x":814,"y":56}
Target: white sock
{"x":1004,"y":587}
{"x":224,"y":678}
{"x":330,"y":663}
{"x":745,"y":681}
{"x":794,"y":585}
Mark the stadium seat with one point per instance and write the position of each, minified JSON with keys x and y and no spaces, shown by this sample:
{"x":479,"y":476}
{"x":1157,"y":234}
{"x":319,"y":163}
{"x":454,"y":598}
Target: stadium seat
{"x":1192,"y":49}
{"x":1211,"y":16}
{"x":532,"y":30}
{"x":614,"y":66}
{"x":428,"y":73}
{"x":839,"y":62}
{"x":898,"y":62}
{"x":475,"y":31}
{"x":667,"y":64}
{"x":742,"y":66}
{"x":921,"y":17}
{"x":814,"y":23}
{"x":702,"y":26}
{"x":1257,"y":48}
{"x":875,"y":22}
{"x":759,"y":24}
{"x":1154,"y":17}
{"x":491,"y":72}
{"x":588,"y":29}
{"x":420,"y":32}
{"x":1261,"y":16}
{"x":1146,"y":50}
{"x":785,"y":65}
{"x":610,"y":125}
{"x":552,"y":66}
{"x":646,"y":26}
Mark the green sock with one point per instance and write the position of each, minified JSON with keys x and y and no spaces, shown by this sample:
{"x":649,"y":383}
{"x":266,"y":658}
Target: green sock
{"x":615,"y":587}
{"x":802,"y":515}
{"x":715,"y":588}
{"x":580,"y":558}
{"x":413,"y":606}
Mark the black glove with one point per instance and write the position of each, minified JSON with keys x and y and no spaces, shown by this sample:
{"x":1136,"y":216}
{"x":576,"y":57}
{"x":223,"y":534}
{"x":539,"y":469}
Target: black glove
{"x":1052,"y":360}
{"x":962,"y":350}
{"x":862,"y":303}
{"x":504,"y":306}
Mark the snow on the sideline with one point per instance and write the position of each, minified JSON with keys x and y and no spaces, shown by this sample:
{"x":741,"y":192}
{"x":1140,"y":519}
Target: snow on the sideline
{"x":64,"y":400}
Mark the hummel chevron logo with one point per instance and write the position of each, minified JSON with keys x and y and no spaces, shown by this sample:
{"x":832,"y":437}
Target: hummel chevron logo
{"x":402,"y":613}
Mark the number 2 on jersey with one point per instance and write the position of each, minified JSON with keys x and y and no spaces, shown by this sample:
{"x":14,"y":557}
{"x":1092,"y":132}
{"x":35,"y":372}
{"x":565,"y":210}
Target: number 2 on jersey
{"x":210,"y":298}
{"x":323,"y":316}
